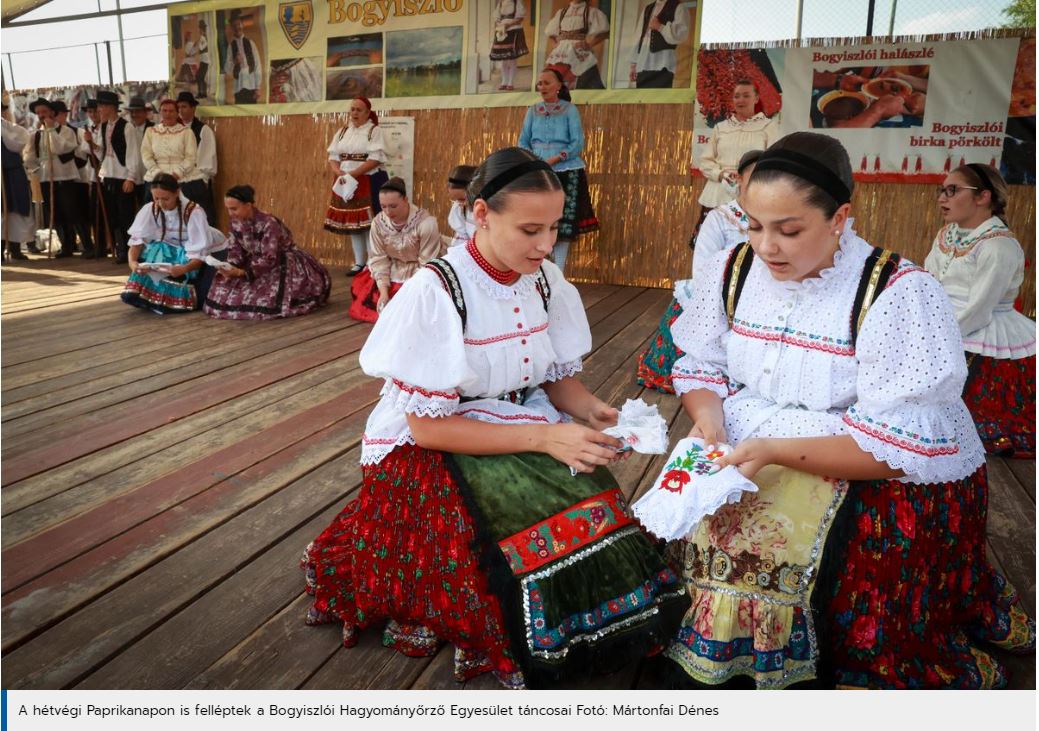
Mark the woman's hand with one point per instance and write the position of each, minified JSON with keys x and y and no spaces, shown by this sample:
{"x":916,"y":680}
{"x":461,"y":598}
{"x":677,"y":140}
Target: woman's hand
{"x":712,"y":434}
{"x":751,"y":455}
{"x":384,"y":299}
{"x":602,"y":416}
{"x":731,"y":177}
{"x":579,"y":447}
{"x":177,"y":270}
{"x":230,"y":272}
{"x":334,"y":167}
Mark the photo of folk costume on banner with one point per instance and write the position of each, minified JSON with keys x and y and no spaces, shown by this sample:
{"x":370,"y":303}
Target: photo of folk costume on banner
{"x":521,"y":557}
{"x":503,"y":39}
{"x":192,"y":62}
{"x":575,"y":37}
{"x":296,"y":80}
{"x":243,"y":45}
{"x":869,"y":96}
{"x":655,"y":44}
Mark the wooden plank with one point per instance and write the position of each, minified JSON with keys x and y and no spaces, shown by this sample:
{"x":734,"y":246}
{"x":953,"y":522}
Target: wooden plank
{"x":611,"y":303}
{"x":160,"y":450}
{"x":110,"y":426}
{"x":210,"y":551}
{"x":356,"y":667}
{"x":1011,"y":530}
{"x":57,"y":545}
{"x":1024,"y":471}
{"x":438,"y":674}
{"x":32,"y":607}
{"x":621,"y":334}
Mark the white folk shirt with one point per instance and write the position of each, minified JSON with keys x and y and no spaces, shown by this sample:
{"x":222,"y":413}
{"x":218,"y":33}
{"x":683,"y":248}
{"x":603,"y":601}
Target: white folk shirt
{"x":509,"y":10}
{"x":460,"y":219}
{"x":190,"y":53}
{"x":724,"y":227}
{"x":170,"y":150}
{"x":87,"y":173}
{"x":982,"y":270}
{"x":363,"y":140}
{"x":246,"y":79}
{"x":676,"y":32}
{"x":110,"y":165}
{"x":787,"y":367}
{"x":141,"y":170}
{"x":509,"y":343}
{"x":730,"y":140}
{"x":194,"y":235}
{"x":203,"y":49}
{"x":571,"y":19}
{"x":54,"y":141}
{"x":207,"y":153}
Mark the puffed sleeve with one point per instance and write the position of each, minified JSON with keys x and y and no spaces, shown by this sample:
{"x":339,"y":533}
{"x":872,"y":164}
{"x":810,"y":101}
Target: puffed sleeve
{"x":431,"y":245}
{"x":709,"y":240}
{"x":598,"y":23}
{"x":702,"y":332}
{"x":333,"y":146}
{"x":909,"y":413}
{"x":144,"y":229}
{"x":709,"y":165}
{"x":999,"y":262}
{"x":379,"y":264}
{"x":567,"y":325}
{"x":552,"y":29}
{"x":417,"y":346}
{"x":931,"y":263}
{"x":527,"y":132}
{"x":197,"y":244}
{"x":377,"y":145}
{"x":576,"y":134}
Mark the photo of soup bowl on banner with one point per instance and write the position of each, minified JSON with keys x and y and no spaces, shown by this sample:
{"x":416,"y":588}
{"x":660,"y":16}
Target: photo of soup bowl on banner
{"x":869,"y":97}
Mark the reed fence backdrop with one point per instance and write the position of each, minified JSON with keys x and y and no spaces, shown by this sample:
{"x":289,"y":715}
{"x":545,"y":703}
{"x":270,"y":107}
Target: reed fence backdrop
{"x":637,"y":158}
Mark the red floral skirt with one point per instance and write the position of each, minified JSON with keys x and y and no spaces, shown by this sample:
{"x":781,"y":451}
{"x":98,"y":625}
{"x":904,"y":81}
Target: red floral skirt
{"x":908,"y":592}
{"x":402,"y":554}
{"x":1000,"y":394}
{"x":365,"y":296}
{"x":354,"y":215}
{"x":656,"y":361}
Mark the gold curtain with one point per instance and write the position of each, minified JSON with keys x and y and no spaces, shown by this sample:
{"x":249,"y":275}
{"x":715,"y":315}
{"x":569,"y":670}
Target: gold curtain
{"x":637,"y":159}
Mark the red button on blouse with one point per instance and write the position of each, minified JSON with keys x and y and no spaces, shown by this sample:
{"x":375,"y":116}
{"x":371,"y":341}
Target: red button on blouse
{"x":515,"y":309}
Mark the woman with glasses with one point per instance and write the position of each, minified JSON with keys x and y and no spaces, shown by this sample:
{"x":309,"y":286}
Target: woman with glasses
{"x":981,"y":266}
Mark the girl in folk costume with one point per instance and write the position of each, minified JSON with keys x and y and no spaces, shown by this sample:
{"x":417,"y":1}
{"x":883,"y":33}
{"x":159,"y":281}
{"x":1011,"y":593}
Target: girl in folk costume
{"x":170,"y":148}
{"x":552,"y":130}
{"x":510,"y":42}
{"x":981,"y":266}
{"x":487,"y":518}
{"x":810,"y":350}
{"x":357,"y":151}
{"x":169,"y":242}
{"x":460,"y":217}
{"x":724,"y":228}
{"x":744,"y":130}
{"x":403,"y":238}
{"x":268,"y":276}
{"x":576,"y":30}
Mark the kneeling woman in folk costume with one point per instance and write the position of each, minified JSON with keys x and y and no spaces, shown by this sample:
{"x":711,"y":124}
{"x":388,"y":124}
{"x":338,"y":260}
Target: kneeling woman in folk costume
{"x":403,"y":238}
{"x":169,"y":241}
{"x":981,"y":267}
{"x":486,"y":518}
{"x":835,"y":368}
{"x":724,"y":227}
{"x":267,"y":276}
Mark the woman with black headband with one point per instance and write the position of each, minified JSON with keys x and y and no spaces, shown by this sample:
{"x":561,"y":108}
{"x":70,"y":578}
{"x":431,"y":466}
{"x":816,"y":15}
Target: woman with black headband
{"x":487,"y":518}
{"x":169,"y":241}
{"x":981,"y":266}
{"x":834,"y":369}
{"x":552,"y":130}
{"x":724,"y":227}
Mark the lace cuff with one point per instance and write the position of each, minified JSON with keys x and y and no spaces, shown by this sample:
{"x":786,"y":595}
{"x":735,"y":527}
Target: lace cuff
{"x":690,"y":379}
{"x":374,"y":450}
{"x":559,"y":371}
{"x":410,"y":399}
{"x":939,"y":445}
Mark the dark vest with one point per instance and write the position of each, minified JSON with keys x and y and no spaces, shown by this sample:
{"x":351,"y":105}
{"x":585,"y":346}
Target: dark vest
{"x":118,"y":140}
{"x":65,"y":158}
{"x":656,"y":40}
{"x":16,"y":182}
{"x":196,"y":127}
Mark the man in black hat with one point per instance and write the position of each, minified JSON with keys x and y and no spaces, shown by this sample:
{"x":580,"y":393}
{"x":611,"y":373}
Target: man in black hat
{"x":200,"y":191}
{"x":243,"y":63}
{"x":141,"y":123}
{"x":89,"y":162}
{"x":51,"y":154}
{"x":120,"y":159}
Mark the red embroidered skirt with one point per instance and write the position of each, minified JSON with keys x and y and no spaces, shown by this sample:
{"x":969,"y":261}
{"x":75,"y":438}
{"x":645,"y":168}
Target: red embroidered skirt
{"x":354,"y":215}
{"x":1000,"y":394}
{"x":364,"y":295}
{"x":403,"y":551}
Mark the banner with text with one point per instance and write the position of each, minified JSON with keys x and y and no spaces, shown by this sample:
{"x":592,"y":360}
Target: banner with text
{"x":904,"y":111}
{"x":301,"y":56}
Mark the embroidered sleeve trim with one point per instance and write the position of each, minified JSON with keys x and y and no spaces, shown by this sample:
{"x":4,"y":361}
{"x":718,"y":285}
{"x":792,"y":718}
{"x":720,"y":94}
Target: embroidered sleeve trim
{"x":901,"y":438}
{"x":559,"y":371}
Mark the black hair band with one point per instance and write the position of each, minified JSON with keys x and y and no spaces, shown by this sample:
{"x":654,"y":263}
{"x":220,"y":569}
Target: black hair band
{"x":494,"y":185}
{"x":457,"y":182}
{"x":806,"y":168}
{"x":977,"y":167}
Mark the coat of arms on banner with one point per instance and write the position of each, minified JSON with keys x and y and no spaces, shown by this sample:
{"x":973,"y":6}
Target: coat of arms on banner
{"x":296,"y":18}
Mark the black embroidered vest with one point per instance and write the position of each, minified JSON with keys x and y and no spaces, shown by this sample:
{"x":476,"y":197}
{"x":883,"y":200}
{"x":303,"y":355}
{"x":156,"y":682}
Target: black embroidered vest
{"x":118,"y":140}
{"x":656,"y":39}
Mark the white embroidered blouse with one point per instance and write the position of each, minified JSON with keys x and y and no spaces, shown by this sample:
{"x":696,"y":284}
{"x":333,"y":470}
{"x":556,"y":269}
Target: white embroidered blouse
{"x":195,"y":236}
{"x":982,"y":271}
{"x":510,"y":343}
{"x":364,"y":140}
{"x":787,"y":367}
{"x":724,"y":227}
{"x":730,"y":139}
{"x":460,"y":219}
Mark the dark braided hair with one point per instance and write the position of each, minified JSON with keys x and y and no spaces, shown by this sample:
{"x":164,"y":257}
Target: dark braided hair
{"x":165,"y":181}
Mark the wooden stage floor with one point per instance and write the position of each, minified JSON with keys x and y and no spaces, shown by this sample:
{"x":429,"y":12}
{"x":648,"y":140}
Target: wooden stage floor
{"x":161,"y":477}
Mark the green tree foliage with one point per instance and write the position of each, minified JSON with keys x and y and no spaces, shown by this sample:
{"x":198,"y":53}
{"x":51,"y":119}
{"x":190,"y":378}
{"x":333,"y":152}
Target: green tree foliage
{"x":1020,"y":14}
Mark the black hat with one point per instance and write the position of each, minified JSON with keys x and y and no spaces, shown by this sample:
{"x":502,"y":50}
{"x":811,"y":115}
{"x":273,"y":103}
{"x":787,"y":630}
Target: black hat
{"x":237,"y":14}
{"x":91,"y":104}
{"x":59,"y":106}
{"x":136,"y":102}
{"x":40,"y":102}
{"x":187,"y":96}
{"x":107,"y":97}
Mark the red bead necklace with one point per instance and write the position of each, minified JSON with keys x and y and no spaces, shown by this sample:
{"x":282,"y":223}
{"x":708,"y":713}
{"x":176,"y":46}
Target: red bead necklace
{"x":501,"y":277}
